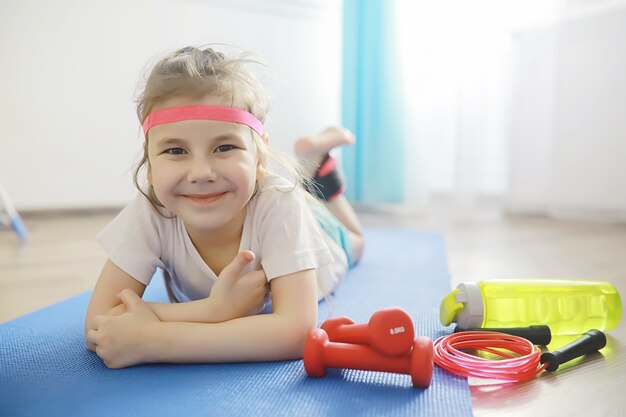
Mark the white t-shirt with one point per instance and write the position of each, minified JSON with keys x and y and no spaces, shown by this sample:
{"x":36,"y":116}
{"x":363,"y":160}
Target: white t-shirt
{"x":279,"y":228}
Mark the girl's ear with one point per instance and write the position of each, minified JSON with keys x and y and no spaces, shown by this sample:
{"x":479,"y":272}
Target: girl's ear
{"x":147,"y":159}
{"x":149,"y":174}
{"x":261,"y":160}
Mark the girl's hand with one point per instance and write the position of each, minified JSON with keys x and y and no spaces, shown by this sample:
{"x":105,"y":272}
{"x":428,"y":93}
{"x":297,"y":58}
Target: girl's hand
{"x":120,"y":340}
{"x":235,"y":295}
{"x":115,"y":311}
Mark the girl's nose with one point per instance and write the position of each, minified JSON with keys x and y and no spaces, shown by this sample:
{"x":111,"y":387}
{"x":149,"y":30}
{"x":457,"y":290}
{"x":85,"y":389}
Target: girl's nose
{"x":201,"y":170}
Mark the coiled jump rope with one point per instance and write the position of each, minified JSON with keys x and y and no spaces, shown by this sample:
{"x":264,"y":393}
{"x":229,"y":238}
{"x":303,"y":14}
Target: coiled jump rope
{"x":521,"y":359}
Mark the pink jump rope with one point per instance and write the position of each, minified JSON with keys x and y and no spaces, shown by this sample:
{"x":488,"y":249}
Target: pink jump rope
{"x":386,"y":343}
{"x":529,"y":362}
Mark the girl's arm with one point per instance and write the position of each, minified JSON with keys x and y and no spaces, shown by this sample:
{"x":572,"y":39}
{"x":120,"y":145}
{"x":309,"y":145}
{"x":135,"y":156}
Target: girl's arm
{"x":233,"y":295}
{"x":138,"y":336}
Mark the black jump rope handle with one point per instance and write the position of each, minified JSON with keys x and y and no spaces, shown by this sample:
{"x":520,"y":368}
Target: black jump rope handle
{"x":589,"y":342}
{"x":538,"y":335}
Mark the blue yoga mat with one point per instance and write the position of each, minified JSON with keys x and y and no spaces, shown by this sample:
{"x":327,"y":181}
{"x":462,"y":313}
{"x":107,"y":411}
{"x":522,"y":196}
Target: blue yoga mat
{"x":46,"y":370}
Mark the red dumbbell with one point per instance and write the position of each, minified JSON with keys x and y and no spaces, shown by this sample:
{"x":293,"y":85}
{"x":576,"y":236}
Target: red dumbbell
{"x":320,"y":354}
{"x":389,"y":331}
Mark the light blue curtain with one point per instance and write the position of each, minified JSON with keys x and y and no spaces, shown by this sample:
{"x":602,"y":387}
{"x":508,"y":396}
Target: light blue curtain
{"x":372,"y":103}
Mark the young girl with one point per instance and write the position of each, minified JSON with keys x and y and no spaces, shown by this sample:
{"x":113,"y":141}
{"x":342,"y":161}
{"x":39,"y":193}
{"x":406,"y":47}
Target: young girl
{"x":229,"y":234}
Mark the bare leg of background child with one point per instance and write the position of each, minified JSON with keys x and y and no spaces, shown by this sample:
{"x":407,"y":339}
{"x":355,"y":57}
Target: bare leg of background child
{"x":314,"y":149}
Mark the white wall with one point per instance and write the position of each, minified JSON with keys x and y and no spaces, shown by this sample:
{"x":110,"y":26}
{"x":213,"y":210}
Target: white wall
{"x":568,"y":132}
{"x":68,"y":131}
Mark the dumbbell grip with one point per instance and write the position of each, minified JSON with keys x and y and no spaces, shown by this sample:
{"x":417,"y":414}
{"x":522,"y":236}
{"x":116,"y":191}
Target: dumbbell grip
{"x":590,"y":342}
{"x":345,"y":355}
{"x":537,"y":335}
{"x":352,"y":333}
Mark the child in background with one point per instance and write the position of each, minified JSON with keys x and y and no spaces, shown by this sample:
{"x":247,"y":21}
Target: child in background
{"x":228,"y":233}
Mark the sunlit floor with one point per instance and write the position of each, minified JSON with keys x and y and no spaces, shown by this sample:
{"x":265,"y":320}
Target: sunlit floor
{"x":61,"y":258}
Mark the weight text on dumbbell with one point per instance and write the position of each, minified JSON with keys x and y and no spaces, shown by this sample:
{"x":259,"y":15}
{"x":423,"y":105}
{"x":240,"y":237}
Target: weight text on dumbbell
{"x":397,"y":330}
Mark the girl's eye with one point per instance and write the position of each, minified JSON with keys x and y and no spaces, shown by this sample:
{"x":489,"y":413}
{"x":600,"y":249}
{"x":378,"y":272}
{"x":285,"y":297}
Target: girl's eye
{"x":224,"y":148}
{"x":175,"y":151}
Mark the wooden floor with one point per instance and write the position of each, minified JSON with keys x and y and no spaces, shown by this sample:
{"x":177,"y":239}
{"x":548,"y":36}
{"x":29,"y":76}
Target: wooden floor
{"x":61,"y":258}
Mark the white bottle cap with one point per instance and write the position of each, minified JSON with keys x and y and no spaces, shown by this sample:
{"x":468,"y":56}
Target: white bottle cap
{"x":473,"y":311}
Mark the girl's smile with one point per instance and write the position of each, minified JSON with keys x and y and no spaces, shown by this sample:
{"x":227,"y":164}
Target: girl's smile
{"x":204,"y":199}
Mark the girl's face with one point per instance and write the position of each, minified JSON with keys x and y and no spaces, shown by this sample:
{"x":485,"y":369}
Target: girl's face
{"x":203,"y":171}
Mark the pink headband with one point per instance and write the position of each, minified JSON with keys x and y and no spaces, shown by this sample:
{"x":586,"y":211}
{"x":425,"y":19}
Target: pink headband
{"x":202,"y":112}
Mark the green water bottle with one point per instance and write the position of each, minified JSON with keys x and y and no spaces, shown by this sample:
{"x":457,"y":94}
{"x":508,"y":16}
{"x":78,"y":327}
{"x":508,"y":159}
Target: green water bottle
{"x":568,"y":307}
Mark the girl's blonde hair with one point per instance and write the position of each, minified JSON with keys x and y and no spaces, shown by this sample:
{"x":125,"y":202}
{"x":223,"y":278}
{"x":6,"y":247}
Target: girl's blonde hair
{"x":195,"y":72}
